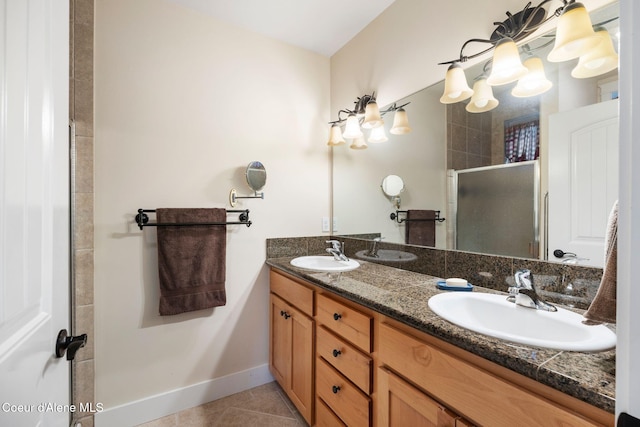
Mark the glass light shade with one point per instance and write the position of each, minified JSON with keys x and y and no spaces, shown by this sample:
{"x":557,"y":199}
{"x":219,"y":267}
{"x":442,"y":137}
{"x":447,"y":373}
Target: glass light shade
{"x":400,"y":123}
{"x":599,"y":60}
{"x":358,"y":143}
{"x":335,"y":135}
{"x":352,"y":128}
{"x":506,"y":65}
{"x":482,"y":99}
{"x":534,"y":82}
{"x":574,"y":34}
{"x":372,"y":117}
{"x":378,"y":135}
{"x":456,"y":88}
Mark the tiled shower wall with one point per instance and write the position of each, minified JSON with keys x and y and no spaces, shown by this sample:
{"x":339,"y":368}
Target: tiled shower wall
{"x":468,"y":137}
{"x":81,"y":113}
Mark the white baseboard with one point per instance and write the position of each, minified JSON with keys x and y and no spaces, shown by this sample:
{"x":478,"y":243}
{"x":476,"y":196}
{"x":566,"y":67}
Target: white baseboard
{"x":161,"y":405}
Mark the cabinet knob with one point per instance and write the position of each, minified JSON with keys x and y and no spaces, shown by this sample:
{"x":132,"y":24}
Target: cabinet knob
{"x":337,"y":316}
{"x":336,"y":353}
{"x":335,"y":389}
{"x":284,"y":314}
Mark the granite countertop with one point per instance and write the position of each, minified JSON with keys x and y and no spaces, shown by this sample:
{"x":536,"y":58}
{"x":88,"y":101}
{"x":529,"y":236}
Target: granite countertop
{"x":403,"y":295}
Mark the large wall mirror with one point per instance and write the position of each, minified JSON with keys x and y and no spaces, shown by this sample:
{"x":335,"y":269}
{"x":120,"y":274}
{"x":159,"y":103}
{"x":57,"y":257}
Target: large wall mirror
{"x":570,"y":188}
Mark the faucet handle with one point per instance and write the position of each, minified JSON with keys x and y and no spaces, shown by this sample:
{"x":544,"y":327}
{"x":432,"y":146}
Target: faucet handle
{"x":524,"y":279}
{"x":335,"y":244}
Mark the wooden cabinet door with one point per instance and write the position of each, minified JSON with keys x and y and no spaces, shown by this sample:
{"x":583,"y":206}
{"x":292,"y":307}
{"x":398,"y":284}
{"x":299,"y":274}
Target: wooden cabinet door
{"x":291,"y":354}
{"x":401,"y":404}
{"x":280,"y":342}
{"x":301,"y":390}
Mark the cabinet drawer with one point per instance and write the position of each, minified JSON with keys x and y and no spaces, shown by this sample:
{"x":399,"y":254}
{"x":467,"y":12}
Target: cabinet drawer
{"x":470,"y":391}
{"x":293,"y":292}
{"x":345,"y":321}
{"x":345,"y":358}
{"x":325,"y":416}
{"x":344,"y":398}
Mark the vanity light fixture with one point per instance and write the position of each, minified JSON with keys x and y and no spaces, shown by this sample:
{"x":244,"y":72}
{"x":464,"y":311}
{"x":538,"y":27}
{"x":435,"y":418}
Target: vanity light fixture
{"x":367,"y":115}
{"x":574,"y":38}
{"x":574,"y":34}
{"x":507,"y":67}
{"x":456,"y":88}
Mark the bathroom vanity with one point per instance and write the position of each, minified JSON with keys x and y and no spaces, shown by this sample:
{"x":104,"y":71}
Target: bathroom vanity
{"x":362,"y":348}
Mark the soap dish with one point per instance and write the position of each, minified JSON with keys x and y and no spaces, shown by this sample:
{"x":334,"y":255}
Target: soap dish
{"x":442,"y":284}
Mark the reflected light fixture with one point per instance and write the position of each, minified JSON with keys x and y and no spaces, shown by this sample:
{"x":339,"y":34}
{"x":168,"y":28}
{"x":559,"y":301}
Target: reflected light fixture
{"x":574,"y":34}
{"x":378,"y":135}
{"x":358,"y":143}
{"x":482,"y":99}
{"x":602,"y":59}
{"x":533,"y":83}
{"x":366,"y":115}
{"x":400,"y":122}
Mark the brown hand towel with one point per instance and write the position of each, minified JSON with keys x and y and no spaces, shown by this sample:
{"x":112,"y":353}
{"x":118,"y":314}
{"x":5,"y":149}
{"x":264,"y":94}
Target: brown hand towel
{"x":420,"y":232}
{"x":191,"y":260}
{"x":603,"y":306}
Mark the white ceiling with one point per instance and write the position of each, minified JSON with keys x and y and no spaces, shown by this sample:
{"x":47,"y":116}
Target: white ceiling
{"x":322,"y":26}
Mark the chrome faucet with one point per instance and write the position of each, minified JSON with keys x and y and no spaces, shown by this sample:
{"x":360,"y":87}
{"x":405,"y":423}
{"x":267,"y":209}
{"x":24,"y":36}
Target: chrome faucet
{"x":336,"y":250}
{"x":524,"y":292}
{"x":373,"y":252}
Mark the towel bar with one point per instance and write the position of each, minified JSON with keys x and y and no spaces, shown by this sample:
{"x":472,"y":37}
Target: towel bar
{"x":396,"y":216}
{"x":142,"y":219}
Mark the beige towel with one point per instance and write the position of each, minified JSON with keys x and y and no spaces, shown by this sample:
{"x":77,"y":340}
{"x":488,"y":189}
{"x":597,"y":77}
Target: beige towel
{"x":603,"y":306}
{"x":420,"y":228}
{"x":191,"y":260}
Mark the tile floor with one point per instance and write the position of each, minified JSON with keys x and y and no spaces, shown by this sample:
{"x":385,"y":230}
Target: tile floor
{"x":263,"y":406}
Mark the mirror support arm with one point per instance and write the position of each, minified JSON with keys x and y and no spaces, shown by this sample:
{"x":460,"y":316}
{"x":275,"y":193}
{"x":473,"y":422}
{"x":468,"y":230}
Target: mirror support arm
{"x":233,"y":197}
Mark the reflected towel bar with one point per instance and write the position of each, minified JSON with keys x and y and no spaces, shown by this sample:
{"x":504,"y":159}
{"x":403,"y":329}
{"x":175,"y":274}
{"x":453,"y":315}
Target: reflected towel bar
{"x":142,"y":219}
{"x":396,"y":216}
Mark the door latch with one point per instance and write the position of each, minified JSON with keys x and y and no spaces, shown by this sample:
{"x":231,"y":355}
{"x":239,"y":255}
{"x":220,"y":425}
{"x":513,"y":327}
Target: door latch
{"x":69,"y":344}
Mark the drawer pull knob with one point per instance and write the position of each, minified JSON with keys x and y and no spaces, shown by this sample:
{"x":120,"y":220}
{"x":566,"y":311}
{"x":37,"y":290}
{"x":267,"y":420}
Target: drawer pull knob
{"x":286,"y":315}
{"x":335,"y":389}
{"x":281,"y":312}
{"x":336,"y":353}
{"x":337,"y":316}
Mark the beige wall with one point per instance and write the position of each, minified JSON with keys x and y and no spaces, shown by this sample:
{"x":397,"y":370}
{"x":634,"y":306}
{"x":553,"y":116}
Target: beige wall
{"x":183,"y":103}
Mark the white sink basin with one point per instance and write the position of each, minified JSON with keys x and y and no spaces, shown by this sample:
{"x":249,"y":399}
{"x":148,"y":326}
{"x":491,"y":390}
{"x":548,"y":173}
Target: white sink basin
{"x":388,"y":255}
{"x":493,"y":315}
{"x":324,"y":263}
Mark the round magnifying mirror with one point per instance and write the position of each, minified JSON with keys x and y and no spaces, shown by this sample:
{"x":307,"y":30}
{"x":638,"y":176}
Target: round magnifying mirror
{"x":256,"y":176}
{"x":392,"y":185}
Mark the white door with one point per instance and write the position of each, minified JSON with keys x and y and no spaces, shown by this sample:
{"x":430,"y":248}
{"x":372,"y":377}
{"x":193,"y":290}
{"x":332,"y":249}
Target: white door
{"x":583,"y":179}
{"x":34,"y":211}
